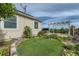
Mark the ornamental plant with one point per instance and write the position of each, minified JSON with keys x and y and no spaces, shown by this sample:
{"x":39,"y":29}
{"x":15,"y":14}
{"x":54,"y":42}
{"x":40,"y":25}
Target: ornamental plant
{"x":27,"y":32}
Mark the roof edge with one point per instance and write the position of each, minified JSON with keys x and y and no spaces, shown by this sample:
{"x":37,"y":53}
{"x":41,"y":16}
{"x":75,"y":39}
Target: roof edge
{"x":27,"y":15}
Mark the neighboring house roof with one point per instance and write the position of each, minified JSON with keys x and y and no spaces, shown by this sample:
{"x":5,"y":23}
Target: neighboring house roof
{"x":27,"y":15}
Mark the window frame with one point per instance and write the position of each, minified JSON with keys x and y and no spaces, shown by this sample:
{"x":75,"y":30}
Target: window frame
{"x":37,"y":25}
{"x":17,"y":23}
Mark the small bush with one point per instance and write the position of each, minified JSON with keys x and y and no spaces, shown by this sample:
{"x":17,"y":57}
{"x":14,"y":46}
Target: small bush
{"x":69,"y":53}
{"x":42,"y":33}
{"x":77,"y":49}
{"x":5,"y":49}
{"x":71,"y":50}
{"x":70,"y":47}
{"x":27,"y":32}
{"x":53,"y":36}
{"x":66,"y":38}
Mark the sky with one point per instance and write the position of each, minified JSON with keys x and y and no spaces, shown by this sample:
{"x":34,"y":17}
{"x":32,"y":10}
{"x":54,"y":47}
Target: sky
{"x":53,"y":12}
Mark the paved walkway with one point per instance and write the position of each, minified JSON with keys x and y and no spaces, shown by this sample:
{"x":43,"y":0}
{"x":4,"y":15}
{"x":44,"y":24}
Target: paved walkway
{"x":68,"y":43}
{"x":13,"y":49}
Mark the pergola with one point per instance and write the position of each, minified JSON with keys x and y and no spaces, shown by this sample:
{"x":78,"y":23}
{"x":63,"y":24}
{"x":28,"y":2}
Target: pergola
{"x":52,"y":24}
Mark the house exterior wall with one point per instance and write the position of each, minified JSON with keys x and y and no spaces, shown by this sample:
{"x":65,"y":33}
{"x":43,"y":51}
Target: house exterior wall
{"x":22,"y":22}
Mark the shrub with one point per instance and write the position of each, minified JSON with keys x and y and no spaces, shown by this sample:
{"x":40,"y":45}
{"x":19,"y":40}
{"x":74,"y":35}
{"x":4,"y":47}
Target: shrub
{"x":42,"y":33}
{"x":54,"y":36}
{"x":43,"y":36}
{"x":71,"y":50}
{"x":27,"y":32}
{"x":66,"y":38}
{"x":69,"y":53}
{"x":70,"y":47}
{"x":51,"y":36}
{"x":5,"y":49}
{"x":77,"y":49}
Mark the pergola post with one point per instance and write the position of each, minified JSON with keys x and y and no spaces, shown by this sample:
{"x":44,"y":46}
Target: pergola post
{"x":53,"y":28}
{"x":73,"y":30}
{"x":49,"y":28}
{"x":69,"y":33}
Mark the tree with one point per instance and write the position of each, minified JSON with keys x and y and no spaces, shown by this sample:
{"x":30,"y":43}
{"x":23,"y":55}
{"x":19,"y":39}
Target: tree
{"x":6,"y":10}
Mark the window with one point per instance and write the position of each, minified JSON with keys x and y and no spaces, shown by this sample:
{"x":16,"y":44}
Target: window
{"x":36,"y":25}
{"x":11,"y":22}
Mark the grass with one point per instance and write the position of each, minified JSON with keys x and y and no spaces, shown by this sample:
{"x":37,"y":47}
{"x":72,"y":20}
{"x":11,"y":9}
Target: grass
{"x":40,"y":47}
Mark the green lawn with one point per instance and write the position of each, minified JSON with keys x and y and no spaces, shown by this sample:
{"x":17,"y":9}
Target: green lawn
{"x":40,"y":47}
